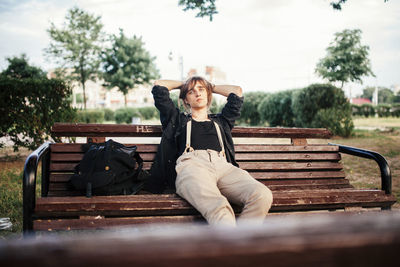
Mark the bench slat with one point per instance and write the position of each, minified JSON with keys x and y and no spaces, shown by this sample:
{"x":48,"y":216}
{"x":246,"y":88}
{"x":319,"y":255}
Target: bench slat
{"x":140,"y":205}
{"x":260,"y":166}
{"x":73,"y":147}
{"x":121,"y":130}
{"x":64,"y":177}
{"x":104,"y":223}
{"x":77,"y":157}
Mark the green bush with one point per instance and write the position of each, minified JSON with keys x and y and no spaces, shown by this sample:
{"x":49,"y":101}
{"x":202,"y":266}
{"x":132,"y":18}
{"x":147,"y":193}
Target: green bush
{"x":125,"y":115}
{"x":276,"y":109}
{"x":108,"y":114}
{"x":383,"y":110}
{"x":323,"y":105}
{"x":395,"y":110}
{"x":148,"y":113}
{"x":356,"y":110}
{"x":367,"y":110}
{"x":91,"y":116}
{"x":249,"y":114}
{"x":30,"y":106}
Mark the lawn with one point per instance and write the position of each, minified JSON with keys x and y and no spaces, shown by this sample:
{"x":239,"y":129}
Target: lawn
{"x":363,"y":173}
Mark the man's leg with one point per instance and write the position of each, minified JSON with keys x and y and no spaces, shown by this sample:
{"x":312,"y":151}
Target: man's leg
{"x":196,"y":182}
{"x":241,"y":188}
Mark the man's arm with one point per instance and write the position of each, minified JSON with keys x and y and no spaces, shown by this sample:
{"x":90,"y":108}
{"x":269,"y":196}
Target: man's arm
{"x":170,"y":84}
{"x":225,"y":90}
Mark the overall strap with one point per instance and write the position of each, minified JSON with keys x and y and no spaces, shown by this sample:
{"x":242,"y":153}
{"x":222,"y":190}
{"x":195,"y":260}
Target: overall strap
{"x":188,"y":148}
{"x":221,"y":143}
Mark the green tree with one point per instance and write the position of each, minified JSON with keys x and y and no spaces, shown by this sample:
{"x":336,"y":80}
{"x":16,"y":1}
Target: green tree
{"x":127,"y":64}
{"x":249,"y":114}
{"x":338,"y":4}
{"x":30,"y":104}
{"x":205,"y":7}
{"x":323,"y":105}
{"x":18,"y":67}
{"x":77,"y":45}
{"x":346,"y":59}
{"x":276,"y":109}
{"x":385,"y":95}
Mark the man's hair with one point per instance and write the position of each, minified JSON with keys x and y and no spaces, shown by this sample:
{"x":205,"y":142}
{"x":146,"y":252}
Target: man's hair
{"x":190,"y":83}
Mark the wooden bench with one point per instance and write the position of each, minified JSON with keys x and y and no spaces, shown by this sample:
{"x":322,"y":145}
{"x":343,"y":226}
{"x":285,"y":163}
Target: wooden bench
{"x":302,"y":177}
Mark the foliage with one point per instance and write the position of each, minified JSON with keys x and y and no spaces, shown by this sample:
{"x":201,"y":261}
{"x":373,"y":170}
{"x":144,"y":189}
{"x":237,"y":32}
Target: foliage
{"x":338,"y":4}
{"x":249,"y":114}
{"x":367,"y":110}
{"x":322,"y":105}
{"x":356,"y":110}
{"x":127,"y":64}
{"x":148,"y":113}
{"x":18,"y":67}
{"x":32,"y":106}
{"x":383,"y":110}
{"x":77,"y":46}
{"x":276,"y":109}
{"x":395,"y":110}
{"x":346,"y":59}
{"x":108,"y":114}
{"x":125,"y":115}
{"x":91,"y":116}
{"x":205,"y":7}
{"x":385,"y":95}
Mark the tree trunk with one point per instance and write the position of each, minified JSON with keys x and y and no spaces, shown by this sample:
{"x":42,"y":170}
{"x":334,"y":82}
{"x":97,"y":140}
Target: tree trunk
{"x":84,"y":95}
{"x":341,"y":87}
{"x":126,"y":100}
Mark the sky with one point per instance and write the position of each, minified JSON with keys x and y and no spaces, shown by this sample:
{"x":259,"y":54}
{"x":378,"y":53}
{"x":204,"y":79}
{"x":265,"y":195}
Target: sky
{"x":261,"y":45}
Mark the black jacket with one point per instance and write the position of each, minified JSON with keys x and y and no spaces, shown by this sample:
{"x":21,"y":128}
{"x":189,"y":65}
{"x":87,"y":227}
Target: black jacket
{"x":174,"y":122}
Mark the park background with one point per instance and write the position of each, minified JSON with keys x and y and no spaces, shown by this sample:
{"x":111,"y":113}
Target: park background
{"x":271,"y":49}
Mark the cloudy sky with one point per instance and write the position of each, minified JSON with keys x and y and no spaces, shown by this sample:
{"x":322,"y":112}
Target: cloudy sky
{"x":266,"y":45}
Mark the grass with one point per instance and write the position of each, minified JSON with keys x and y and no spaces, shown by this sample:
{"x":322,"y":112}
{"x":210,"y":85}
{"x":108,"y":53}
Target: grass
{"x":362,"y":173}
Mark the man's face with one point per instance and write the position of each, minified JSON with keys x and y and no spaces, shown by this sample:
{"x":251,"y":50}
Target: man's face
{"x":197,"y":97}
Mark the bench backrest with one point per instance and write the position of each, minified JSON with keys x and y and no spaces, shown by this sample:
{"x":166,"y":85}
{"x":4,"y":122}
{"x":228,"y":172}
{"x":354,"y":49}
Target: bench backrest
{"x":298,"y":165}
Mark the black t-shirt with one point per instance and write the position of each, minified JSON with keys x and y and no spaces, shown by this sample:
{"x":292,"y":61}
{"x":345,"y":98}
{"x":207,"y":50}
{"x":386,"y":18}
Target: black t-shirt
{"x":204,"y":136}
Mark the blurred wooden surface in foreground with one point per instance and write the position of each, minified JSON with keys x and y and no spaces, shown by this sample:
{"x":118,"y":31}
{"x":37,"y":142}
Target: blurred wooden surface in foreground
{"x":333,"y":239}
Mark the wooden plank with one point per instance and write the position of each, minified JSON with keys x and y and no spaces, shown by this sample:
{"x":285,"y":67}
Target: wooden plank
{"x":283,"y":148}
{"x":140,"y":205}
{"x":114,"y":130}
{"x":369,"y":239}
{"x":312,"y":174}
{"x":77,"y":147}
{"x":289,"y":166}
{"x":70,"y":167}
{"x":105,"y":223}
{"x":73,"y":147}
{"x":64,"y":177}
{"x":76,"y":157}
{"x":279,"y":183}
{"x":287,"y":156}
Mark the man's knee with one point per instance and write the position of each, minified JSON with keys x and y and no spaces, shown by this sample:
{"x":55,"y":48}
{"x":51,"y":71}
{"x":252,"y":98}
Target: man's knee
{"x":264,"y":197}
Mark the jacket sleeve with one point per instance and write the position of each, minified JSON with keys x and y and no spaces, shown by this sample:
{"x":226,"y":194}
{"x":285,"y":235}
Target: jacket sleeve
{"x":164,"y":104}
{"x":231,"y":110}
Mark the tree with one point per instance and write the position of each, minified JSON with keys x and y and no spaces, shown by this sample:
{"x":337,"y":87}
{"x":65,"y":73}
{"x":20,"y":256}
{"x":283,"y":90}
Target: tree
{"x":338,"y":4}
{"x":385,"y":95}
{"x":346,"y":59}
{"x":127,"y":64}
{"x":31,"y":103}
{"x":323,"y":106}
{"x":77,"y":45}
{"x":205,"y":7}
{"x":18,"y":67}
{"x":249,"y":114}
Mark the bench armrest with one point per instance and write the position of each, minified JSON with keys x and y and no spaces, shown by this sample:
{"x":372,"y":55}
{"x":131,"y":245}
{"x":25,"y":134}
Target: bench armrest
{"x":386,"y":176}
{"x":29,"y":182}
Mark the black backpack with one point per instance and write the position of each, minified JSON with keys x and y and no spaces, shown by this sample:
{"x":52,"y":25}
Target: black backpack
{"x":109,"y":168}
